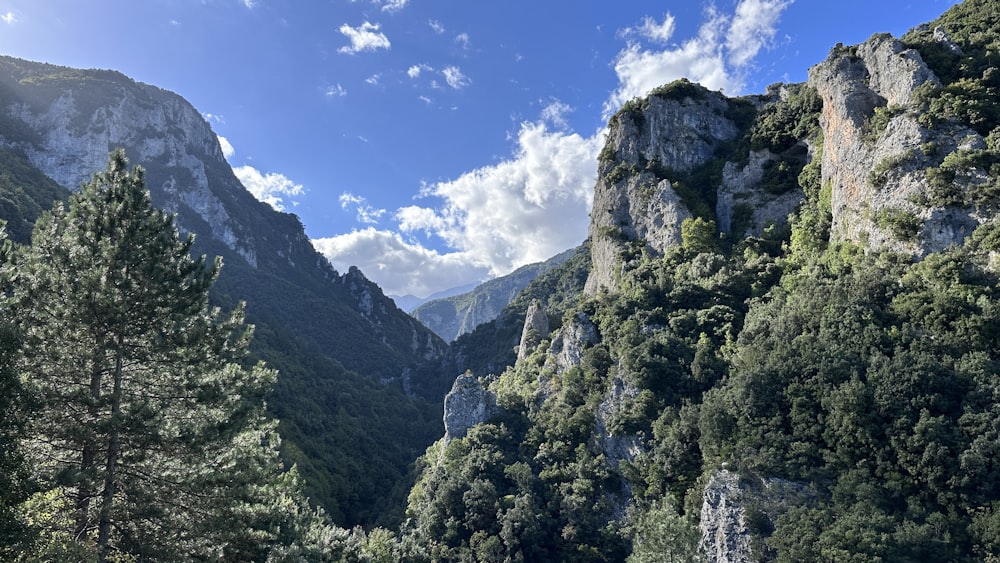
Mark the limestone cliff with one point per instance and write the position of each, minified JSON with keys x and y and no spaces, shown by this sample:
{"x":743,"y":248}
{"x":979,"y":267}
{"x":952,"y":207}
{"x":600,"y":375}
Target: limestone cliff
{"x":878,"y":149}
{"x":669,"y":132}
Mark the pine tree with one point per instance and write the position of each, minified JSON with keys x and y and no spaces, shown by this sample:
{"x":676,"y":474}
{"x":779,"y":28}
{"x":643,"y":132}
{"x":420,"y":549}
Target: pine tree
{"x":150,"y":423}
{"x":13,"y":471}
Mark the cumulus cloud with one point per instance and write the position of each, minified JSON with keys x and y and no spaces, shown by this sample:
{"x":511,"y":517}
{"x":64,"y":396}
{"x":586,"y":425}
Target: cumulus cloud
{"x":365,"y":37}
{"x":8,"y":18}
{"x":250,"y":4}
{"x":364,"y":212}
{"x":522,"y":210}
{"x":454,"y":77}
{"x":555,"y":114}
{"x":753,"y":28}
{"x":718,"y":57}
{"x":227,"y":147}
{"x":436,"y":26}
{"x":271,"y":188}
{"x":462,"y":39}
{"x":535,"y":203}
{"x":389,"y":260}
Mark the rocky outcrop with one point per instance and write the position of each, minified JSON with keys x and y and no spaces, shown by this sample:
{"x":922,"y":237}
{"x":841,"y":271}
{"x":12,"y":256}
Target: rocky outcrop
{"x":670,"y":132}
{"x":725,"y":536}
{"x":466,"y":405}
{"x":536,"y":328}
{"x":740,"y":192}
{"x":569,"y":342}
{"x":737,"y":509}
{"x":876,"y":149}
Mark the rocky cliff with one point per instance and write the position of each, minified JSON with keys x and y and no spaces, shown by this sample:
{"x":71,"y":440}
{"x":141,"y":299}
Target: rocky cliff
{"x":879,"y":148}
{"x":711,"y":212}
{"x":312,"y":321}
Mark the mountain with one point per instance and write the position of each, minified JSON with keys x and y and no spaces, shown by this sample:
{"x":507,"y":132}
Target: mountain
{"x":787,"y":343}
{"x":342,"y":347}
{"x":410,"y":302}
{"x":452,"y":316}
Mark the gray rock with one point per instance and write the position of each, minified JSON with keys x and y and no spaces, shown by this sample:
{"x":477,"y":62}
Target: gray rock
{"x":466,"y":405}
{"x":536,"y":328}
{"x":633,"y":205}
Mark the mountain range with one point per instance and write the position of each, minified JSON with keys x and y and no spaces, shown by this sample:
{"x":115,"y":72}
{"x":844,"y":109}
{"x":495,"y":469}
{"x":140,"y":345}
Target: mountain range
{"x":778,"y":343}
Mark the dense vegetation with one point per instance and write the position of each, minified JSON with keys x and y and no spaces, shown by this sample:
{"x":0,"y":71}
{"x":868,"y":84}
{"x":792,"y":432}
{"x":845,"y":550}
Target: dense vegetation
{"x":861,"y":389}
{"x":864,"y":386}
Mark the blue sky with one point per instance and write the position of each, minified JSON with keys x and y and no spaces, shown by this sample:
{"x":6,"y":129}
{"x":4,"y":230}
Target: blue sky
{"x":436,"y":143}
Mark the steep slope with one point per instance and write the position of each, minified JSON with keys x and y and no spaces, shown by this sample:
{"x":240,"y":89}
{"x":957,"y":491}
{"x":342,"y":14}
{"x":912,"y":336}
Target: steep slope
{"x":323,"y":330}
{"x":788,"y":344}
{"x":451,"y":317}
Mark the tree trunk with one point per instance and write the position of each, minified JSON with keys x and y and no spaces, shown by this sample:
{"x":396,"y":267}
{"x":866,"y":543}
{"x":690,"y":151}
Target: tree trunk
{"x":107,"y":500}
{"x":85,"y":487}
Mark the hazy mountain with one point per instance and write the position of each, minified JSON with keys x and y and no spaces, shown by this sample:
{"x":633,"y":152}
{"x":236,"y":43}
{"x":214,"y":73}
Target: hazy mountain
{"x":410,"y":302}
{"x":455,"y":315}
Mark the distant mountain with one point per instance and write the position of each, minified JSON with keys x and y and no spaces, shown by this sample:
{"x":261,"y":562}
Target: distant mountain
{"x":342,"y":347}
{"x":453,"y":316}
{"x":410,"y":302}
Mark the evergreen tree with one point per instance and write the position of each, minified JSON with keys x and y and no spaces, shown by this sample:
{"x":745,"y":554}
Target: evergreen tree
{"x":13,"y":472}
{"x":150,"y":423}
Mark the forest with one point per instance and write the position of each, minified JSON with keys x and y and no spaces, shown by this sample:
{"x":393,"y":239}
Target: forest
{"x":849,"y":393}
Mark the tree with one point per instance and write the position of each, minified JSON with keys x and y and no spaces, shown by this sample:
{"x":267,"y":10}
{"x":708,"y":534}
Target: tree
{"x":13,"y":471}
{"x":150,"y":419}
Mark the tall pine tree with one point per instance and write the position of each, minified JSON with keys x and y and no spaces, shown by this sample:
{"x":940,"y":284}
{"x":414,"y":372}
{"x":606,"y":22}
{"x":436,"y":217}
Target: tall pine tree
{"x":150,"y":426}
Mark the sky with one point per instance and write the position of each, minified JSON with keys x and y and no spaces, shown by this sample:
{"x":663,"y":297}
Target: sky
{"x":431,"y":143}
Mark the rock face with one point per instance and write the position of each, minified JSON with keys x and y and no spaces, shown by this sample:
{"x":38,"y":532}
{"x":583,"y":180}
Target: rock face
{"x":674,"y":132}
{"x":569,"y":343}
{"x":876,"y":149}
{"x":536,"y":328}
{"x":466,"y":405}
{"x":66,"y":121}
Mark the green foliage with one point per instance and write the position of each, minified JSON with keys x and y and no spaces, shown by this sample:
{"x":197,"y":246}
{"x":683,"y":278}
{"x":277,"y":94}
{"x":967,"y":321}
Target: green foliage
{"x":878,"y":122}
{"x":680,"y":90}
{"x":663,"y":536}
{"x":903,"y":224}
{"x":781,"y":125}
{"x":699,"y":235}
{"x":148,"y":436}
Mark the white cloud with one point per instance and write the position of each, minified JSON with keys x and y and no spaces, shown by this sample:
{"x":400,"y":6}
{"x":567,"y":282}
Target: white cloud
{"x":415,"y":70}
{"x":391,"y":5}
{"x":650,"y":29}
{"x":555,"y":114}
{"x":753,"y":28}
{"x":717,"y":58}
{"x":463,"y":40}
{"x":522,"y":210}
{"x":335,"y":91}
{"x":389,"y":260}
{"x":436,"y":26}
{"x":250,"y":4}
{"x":454,"y":77}
{"x":374,"y":79}
{"x":271,"y":188}
{"x":365,"y":213}
{"x":227,"y":147}
{"x":365,"y":37}
{"x":8,"y":18}
{"x":425,"y":100}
